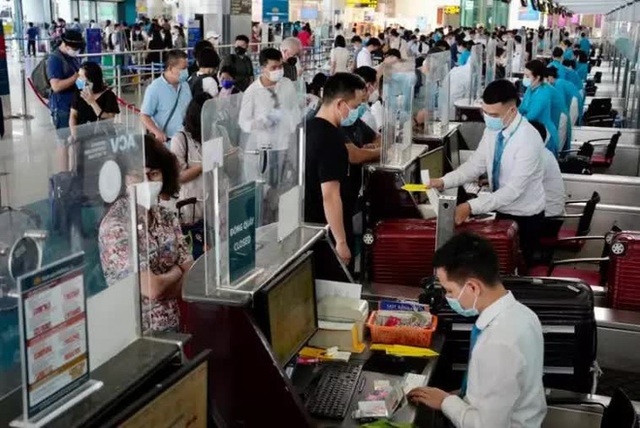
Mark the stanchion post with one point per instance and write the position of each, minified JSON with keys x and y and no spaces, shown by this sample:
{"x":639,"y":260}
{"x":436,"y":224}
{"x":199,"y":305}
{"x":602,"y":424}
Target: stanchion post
{"x":24,"y":114}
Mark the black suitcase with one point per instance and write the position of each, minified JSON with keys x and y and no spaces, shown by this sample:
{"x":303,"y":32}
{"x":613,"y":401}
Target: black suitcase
{"x":565,"y":309}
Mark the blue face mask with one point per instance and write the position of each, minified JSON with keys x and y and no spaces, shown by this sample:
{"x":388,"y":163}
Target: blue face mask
{"x":526,"y":82}
{"x":351,"y":118}
{"x":493,"y":123}
{"x":184,"y":75}
{"x":362,"y":109}
{"x":457,"y":307}
{"x":80,"y":84}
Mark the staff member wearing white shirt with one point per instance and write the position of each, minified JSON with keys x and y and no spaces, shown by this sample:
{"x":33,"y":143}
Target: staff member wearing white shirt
{"x":503,"y":385}
{"x":364,"y":57}
{"x":510,"y":153}
{"x":555,"y":194}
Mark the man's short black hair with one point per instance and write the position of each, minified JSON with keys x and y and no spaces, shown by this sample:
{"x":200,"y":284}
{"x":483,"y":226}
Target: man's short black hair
{"x":374,"y":42}
{"x":242,"y":38}
{"x":536,"y":67}
{"x":583,"y":35}
{"x":356,"y":39}
{"x":269,"y":54}
{"x":468,"y":256}
{"x":342,"y":85}
{"x":566,"y":42}
{"x":394,"y":33}
{"x":500,"y":91}
{"x":208,"y":58}
{"x":540,"y":128}
{"x":571,"y":63}
{"x":368,"y":74}
{"x":557,"y":52}
{"x":393,"y":52}
{"x":173,"y":57}
{"x":551,"y":72}
{"x":518,"y":39}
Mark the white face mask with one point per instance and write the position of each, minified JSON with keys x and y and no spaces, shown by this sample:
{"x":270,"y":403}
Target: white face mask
{"x":73,"y":52}
{"x":276,"y":75}
{"x":147,"y":193}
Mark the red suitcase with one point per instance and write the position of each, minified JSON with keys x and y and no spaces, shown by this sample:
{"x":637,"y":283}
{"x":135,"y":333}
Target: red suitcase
{"x":623,"y":285}
{"x":403,"y":249}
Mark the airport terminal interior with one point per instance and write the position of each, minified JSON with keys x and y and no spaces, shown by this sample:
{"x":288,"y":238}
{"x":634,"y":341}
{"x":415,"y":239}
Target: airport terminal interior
{"x":336,"y":213}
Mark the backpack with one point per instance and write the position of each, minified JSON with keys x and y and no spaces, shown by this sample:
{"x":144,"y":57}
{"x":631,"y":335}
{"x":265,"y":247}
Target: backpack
{"x":40,"y":78}
{"x":195,"y":83}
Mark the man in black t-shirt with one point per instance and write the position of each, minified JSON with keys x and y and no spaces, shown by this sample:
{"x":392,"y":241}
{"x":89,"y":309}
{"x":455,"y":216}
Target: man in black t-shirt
{"x":327,"y":195}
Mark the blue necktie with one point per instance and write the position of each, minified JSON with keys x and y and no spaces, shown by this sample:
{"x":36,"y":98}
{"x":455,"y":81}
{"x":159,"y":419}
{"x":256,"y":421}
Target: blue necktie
{"x":497,"y":157}
{"x":475,"y":334}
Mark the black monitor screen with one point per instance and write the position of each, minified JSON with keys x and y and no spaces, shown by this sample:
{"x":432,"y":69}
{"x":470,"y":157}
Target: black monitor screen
{"x":286,"y":309}
{"x":434,"y":162}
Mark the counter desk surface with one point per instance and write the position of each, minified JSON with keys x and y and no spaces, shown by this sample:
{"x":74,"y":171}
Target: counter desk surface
{"x":407,"y":413}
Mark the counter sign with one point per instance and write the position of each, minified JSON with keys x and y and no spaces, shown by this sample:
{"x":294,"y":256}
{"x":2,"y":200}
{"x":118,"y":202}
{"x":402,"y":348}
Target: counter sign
{"x":242,"y":230}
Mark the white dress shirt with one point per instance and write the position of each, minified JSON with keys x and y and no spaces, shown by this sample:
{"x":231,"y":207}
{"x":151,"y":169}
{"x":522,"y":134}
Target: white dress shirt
{"x":364,"y":58}
{"x":520,"y":191}
{"x":459,"y":86}
{"x":504,"y":383}
{"x":553,"y":185}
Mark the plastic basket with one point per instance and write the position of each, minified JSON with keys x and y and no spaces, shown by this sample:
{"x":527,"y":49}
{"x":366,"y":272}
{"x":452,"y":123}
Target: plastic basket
{"x":401,"y":335}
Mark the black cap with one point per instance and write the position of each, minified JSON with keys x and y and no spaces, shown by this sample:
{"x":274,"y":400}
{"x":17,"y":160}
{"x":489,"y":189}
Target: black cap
{"x":73,"y":38}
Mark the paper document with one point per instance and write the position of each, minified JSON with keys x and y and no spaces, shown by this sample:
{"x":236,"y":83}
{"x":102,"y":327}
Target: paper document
{"x":212,"y":154}
{"x":335,"y":288}
{"x":434,"y":199}
{"x":330,"y":325}
{"x":424,"y":175}
{"x":413,"y":381}
{"x":415,"y":188}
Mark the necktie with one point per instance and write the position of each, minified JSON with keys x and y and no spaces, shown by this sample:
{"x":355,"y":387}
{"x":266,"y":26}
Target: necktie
{"x":475,"y":334}
{"x":497,"y":157}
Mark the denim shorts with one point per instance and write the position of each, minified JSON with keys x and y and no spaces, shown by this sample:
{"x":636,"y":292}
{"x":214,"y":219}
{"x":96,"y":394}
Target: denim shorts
{"x":60,"y":120}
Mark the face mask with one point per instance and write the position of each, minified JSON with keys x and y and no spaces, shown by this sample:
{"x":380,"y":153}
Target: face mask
{"x":147,"y":193}
{"x":526,"y":82}
{"x":292,"y":61}
{"x":240,"y":50}
{"x":80,"y":84}
{"x":375,"y":96}
{"x":227,"y":84}
{"x":457,"y":307}
{"x":493,"y":123}
{"x":351,"y":117}
{"x":73,"y":52}
{"x":184,"y":75}
{"x":276,"y":75}
{"x":362,"y":109}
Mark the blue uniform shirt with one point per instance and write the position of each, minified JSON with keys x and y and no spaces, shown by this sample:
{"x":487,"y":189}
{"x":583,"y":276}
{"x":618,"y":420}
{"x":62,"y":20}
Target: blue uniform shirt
{"x":158,"y":102}
{"x":536,"y":105}
{"x":562,"y":70}
{"x":582,"y":68}
{"x":570,"y":91}
{"x":568,"y":54}
{"x":572,"y":76}
{"x":32,"y":33}
{"x":61,"y":66}
{"x":559,"y":107}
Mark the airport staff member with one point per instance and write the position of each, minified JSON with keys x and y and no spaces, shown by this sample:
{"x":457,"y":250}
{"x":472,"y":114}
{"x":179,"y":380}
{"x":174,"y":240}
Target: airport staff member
{"x":503,"y":385}
{"x":510,"y":154}
{"x":327,"y":195}
{"x":585,"y":44}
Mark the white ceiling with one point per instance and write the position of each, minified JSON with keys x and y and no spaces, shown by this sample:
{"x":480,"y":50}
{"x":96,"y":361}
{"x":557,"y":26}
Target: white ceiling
{"x":591,"y":6}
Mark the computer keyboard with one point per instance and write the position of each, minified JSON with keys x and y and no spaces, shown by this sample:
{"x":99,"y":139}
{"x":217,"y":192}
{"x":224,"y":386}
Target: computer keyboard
{"x":332,"y":394}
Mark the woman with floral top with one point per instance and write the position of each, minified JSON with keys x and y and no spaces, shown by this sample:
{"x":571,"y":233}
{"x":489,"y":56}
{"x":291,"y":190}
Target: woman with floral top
{"x":163,"y":253}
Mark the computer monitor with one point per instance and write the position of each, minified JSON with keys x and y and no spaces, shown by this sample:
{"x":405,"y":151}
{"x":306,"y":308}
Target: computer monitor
{"x":434,"y":162}
{"x":286,"y":309}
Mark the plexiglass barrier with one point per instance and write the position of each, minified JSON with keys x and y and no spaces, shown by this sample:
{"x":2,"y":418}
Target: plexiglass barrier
{"x":251,"y":173}
{"x":397,"y":131}
{"x":59,"y":198}
{"x":475,"y":85}
{"x":435,"y":90}
{"x":509,"y":58}
{"x":555,"y":37}
{"x":490,"y":63}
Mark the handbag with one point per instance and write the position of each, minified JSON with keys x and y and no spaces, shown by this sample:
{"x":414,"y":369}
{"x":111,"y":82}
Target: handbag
{"x":193,"y":231}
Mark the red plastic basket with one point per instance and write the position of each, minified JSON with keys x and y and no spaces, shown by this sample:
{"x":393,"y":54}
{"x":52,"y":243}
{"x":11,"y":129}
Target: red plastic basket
{"x":401,"y":335}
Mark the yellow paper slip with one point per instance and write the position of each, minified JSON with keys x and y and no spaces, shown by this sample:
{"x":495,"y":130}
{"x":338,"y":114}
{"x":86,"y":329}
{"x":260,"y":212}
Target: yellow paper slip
{"x":415,"y":187}
{"x":404,"y":351}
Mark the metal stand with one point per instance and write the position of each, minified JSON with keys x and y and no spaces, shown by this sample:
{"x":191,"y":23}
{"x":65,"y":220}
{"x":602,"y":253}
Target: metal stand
{"x":24,"y":115}
{"x":445,"y":223}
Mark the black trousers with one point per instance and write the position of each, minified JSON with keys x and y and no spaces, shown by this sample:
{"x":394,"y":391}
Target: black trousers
{"x":530,"y":229}
{"x":31,"y":47}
